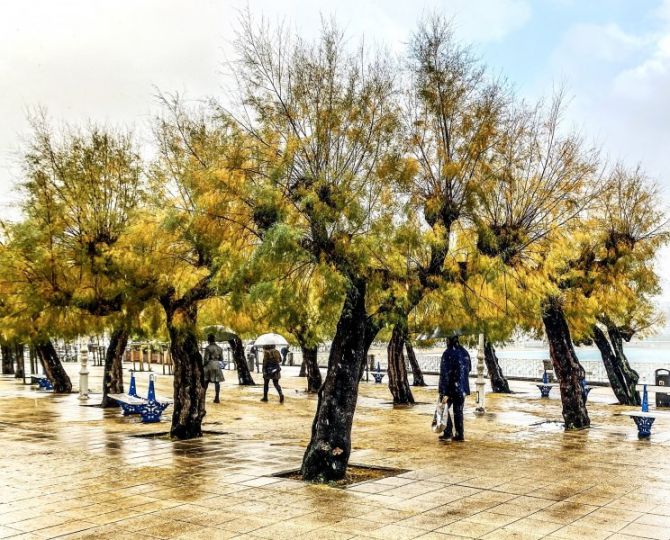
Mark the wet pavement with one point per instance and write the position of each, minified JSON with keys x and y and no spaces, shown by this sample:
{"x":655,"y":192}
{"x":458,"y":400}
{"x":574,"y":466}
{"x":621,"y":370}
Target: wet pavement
{"x":75,"y":471}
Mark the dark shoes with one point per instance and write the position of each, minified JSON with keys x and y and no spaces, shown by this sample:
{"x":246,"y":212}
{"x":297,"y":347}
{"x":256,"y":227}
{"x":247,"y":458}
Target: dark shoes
{"x":264,"y":398}
{"x":450,"y":437}
{"x":281,"y":398}
{"x":216,"y":400}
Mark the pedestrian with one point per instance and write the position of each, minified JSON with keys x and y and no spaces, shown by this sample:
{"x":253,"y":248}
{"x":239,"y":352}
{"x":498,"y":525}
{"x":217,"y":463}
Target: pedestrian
{"x":212,"y":361}
{"x":284,"y":354}
{"x":271,"y":371}
{"x":454,"y":385}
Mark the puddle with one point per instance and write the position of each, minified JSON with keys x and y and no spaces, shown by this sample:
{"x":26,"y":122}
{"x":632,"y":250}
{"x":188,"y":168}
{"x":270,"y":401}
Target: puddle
{"x":165,"y":435}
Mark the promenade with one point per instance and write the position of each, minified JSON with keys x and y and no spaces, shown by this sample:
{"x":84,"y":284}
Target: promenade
{"x":77,"y":471}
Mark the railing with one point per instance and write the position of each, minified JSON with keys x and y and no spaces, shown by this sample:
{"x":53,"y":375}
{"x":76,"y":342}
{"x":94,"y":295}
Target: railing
{"x":514,"y":368}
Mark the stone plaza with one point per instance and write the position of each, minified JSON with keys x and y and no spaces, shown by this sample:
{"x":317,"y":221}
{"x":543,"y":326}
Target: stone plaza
{"x":72,"y":470}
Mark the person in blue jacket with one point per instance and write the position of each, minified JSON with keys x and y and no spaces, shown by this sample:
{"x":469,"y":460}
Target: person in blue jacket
{"x":454,"y":385}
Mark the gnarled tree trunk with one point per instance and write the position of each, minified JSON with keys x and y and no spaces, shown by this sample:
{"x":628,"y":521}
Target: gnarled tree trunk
{"x":310,"y":361}
{"x":417,"y":374}
{"x":7,"y":359}
{"x":566,"y":365}
{"x":397,"y":372}
{"x":20,"y":371}
{"x":189,"y":376}
{"x":53,"y":369}
{"x":112,"y":382}
{"x":499,"y":383}
{"x":243,"y":374}
{"x":303,"y":367}
{"x":621,"y":376}
{"x":327,"y":454}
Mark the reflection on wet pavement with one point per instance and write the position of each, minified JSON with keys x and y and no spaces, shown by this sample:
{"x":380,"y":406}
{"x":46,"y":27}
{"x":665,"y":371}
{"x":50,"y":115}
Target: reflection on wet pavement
{"x":75,"y":471}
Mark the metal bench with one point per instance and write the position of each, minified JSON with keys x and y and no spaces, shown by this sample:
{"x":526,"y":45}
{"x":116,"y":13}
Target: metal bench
{"x":378,"y":375}
{"x":545,"y":387}
{"x":643,"y":418}
{"x":42,"y":382}
{"x":149,"y":409}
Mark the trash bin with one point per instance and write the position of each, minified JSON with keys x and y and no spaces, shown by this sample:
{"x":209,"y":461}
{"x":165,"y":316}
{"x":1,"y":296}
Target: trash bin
{"x":289,"y":358}
{"x":662,"y":379}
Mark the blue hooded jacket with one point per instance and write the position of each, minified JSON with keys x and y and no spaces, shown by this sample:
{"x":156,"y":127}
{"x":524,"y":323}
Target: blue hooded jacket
{"x":454,"y":370}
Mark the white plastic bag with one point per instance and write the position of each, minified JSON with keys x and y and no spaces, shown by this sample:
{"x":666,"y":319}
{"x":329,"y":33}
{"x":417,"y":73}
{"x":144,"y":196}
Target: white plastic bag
{"x":440,"y":417}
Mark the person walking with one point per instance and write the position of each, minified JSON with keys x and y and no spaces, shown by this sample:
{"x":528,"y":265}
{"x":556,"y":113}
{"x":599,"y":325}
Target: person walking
{"x":212,"y":360}
{"x":454,"y":385}
{"x":284,"y":354}
{"x":271,"y":371}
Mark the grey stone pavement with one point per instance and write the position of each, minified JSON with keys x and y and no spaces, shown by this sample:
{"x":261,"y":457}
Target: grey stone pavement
{"x":75,"y":471}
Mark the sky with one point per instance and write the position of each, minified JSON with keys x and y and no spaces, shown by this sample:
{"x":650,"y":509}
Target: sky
{"x":105,"y":61}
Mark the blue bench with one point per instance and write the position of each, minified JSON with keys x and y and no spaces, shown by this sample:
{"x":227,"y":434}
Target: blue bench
{"x":42,"y":382}
{"x":545,"y":387}
{"x":644,"y":418}
{"x":378,"y":375}
{"x":149,"y":409}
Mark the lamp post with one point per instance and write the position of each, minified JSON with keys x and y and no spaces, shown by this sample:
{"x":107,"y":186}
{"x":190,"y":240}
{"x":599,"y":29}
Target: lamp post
{"x":480,"y":384}
{"x":83,"y":372}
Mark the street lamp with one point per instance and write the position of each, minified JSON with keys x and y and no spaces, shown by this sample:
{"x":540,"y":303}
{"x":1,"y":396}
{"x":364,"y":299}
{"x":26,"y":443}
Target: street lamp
{"x":83,"y":372}
{"x":480,"y":383}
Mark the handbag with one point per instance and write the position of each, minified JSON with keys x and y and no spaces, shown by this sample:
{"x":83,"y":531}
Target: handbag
{"x":272,"y":370}
{"x":439,"y":423}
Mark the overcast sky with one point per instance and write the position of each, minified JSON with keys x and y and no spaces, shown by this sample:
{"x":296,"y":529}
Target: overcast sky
{"x":104,"y":59}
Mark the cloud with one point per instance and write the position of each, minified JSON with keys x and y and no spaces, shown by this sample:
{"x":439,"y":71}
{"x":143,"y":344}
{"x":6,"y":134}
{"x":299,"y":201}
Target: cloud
{"x":104,"y":60}
{"x":621,"y":84}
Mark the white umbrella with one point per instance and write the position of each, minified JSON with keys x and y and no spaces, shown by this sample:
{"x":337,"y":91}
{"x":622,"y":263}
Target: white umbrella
{"x":270,"y":339}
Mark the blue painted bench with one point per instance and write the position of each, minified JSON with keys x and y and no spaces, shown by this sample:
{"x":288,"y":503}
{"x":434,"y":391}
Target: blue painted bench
{"x":644,"y":418}
{"x":545,"y":387}
{"x":149,"y":409}
{"x":378,"y":375}
{"x":42,"y":382}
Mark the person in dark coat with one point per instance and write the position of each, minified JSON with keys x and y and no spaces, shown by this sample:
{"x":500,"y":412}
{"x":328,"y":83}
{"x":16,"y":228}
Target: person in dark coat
{"x":454,"y":385}
{"x":212,"y":360}
{"x":271,"y":371}
{"x":284,"y":354}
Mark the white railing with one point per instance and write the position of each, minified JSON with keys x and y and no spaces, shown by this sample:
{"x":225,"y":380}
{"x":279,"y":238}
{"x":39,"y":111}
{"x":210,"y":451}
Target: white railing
{"x":525,"y":368}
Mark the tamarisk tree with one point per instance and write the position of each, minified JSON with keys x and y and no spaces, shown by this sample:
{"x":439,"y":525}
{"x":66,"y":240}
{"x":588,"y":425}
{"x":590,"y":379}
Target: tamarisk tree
{"x":540,"y":184}
{"x":451,"y":117}
{"x":327,"y":119}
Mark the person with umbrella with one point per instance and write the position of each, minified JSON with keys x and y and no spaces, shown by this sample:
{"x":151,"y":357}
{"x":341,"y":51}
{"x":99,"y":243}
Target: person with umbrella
{"x":271,"y":371}
{"x":454,"y":385}
{"x":212,"y":360}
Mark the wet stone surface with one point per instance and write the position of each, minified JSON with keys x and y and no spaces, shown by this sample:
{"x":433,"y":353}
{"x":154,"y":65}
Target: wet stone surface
{"x":82,"y":472}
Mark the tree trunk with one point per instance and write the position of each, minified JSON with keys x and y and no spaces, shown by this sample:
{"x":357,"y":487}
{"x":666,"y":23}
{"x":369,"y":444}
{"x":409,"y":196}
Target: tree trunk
{"x":53,"y":369}
{"x":499,"y":383}
{"x":310,"y":361}
{"x":417,"y":374}
{"x":20,"y":371}
{"x":397,"y":372}
{"x":7,"y":360}
{"x":243,"y":374}
{"x":303,"y":367}
{"x":189,"y":375}
{"x":112,"y":382}
{"x":566,"y":365}
{"x":622,"y":378}
{"x":327,"y":454}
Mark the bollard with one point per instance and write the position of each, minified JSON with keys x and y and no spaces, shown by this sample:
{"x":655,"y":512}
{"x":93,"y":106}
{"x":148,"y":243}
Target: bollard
{"x":83,"y":373}
{"x":545,"y":378}
{"x":480,"y":384}
{"x":645,"y":399}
